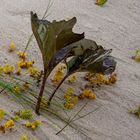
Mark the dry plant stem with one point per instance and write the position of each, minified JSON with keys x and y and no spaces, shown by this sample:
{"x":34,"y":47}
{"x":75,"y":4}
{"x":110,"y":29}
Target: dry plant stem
{"x":41,"y":92}
{"x":30,"y":39}
{"x":52,"y":95}
{"x":72,"y":118}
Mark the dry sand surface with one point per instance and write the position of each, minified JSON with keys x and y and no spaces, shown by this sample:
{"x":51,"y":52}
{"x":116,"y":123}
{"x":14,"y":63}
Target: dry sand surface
{"x":117,"y":26}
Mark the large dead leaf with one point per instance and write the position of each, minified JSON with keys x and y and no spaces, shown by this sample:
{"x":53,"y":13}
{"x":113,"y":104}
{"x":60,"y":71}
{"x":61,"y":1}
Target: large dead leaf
{"x":53,"y":36}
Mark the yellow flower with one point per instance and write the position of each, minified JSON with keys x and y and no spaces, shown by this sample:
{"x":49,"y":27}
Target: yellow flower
{"x":70,"y":91}
{"x":67,"y":97}
{"x":74,"y":99}
{"x":57,"y":79}
{"x":137,"y":56}
{"x":18,"y":72}
{"x":33,"y":127}
{"x":2,"y":112}
{"x":59,"y":74}
{"x":33,"y":72}
{"x":113,"y":78}
{"x":87,"y":93}
{"x":62,"y":67}
{"x":24,"y":137}
{"x":17,"y":89}
{"x":22,"y":64}
{"x":12,"y":47}
{"x":30,"y":64}
{"x":9,"y":124}
{"x":72,"y":78}
{"x":28,"y":124}
{"x":22,"y":54}
{"x":69,"y":105}
{"x":92,"y":96}
{"x":8,"y":69}
{"x":36,"y":123}
{"x":95,"y":79}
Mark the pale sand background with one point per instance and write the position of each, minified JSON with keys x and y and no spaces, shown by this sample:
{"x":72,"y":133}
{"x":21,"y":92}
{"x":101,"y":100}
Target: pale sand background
{"x":117,"y":26}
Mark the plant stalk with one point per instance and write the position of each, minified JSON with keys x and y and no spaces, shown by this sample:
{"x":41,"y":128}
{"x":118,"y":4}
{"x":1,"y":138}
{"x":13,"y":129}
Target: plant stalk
{"x":52,"y":95}
{"x":41,"y":92}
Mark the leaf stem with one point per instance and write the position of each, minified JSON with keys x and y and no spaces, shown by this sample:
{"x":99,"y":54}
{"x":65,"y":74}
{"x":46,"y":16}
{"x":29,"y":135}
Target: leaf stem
{"x":41,"y":92}
{"x":52,"y":95}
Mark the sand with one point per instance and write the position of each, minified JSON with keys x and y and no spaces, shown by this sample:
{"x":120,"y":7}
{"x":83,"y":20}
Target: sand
{"x":117,"y":26}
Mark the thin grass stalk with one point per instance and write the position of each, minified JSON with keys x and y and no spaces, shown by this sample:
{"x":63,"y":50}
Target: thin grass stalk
{"x":44,"y":16}
{"x":72,"y":119}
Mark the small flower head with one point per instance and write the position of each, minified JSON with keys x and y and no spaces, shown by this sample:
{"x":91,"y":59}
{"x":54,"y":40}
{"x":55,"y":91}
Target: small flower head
{"x":12,"y":47}
{"x":137,"y":56}
{"x":72,"y":78}
{"x":33,"y":72}
{"x":22,"y":54}
{"x":17,"y":89}
{"x":24,"y":137}
{"x":8,"y":69}
{"x":28,"y":124}
{"x":36,"y":123}
{"x":9,"y":124}
{"x":113,"y":78}
{"x":69,"y":105}
{"x":30,"y":64}
{"x":87,"y":93}
{"x":18,"y":72}
{"x":33,"y":127}
{"x":22,"y":63}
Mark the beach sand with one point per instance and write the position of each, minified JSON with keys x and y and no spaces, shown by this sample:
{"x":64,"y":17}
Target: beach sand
{"x":115,"y":25}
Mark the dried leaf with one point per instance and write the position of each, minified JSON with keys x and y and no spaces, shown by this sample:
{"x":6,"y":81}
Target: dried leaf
{"x":53,"y":36}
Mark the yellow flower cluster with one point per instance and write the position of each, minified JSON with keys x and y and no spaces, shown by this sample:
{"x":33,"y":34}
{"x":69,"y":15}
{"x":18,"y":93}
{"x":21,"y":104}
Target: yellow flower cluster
{"x":33,"y":125}
{"x":137,"y":56}
{"x":17,"y":89}
{"x":70,"y":98}
{"x":87,"y":93}
{"x":112,"y":79}
{"x":59,"y":74}
{"x":72,"y":78}
{"x":9,"y":124}
{"x":12,"y":47}
{"x":7,"y":69}
{"x":22,"y":54}
{"x":95,"y":79}
{"x":25,"y":64}
{"x":100,"y":79}
{"x":33,"y":72}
